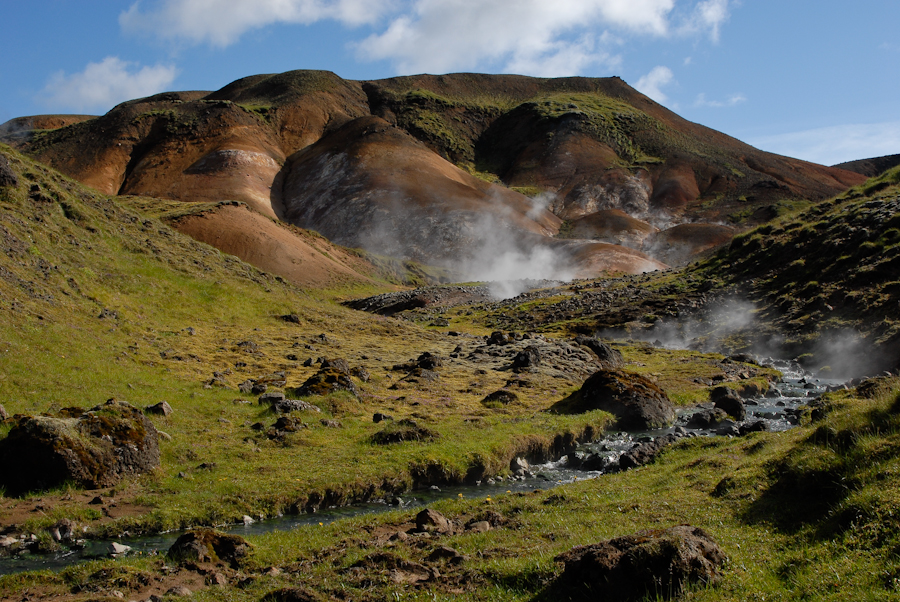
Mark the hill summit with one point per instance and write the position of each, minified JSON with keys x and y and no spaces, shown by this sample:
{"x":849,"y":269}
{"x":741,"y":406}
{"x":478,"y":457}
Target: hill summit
{"x":495,"y":176}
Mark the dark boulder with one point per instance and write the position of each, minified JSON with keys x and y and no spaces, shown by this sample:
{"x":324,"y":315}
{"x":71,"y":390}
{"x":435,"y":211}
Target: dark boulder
{"x":728,"y":401}
{"x":635,"y":401}
{"x":754,"y":427}
{"x":706,"y":419}
{"x":610,"y":359}
{"x":530,"y":357}
{"x":160,"y":409}
{"x":8,"y":177}
{"x":208,"y":545}
{"x":652,"y":564}
{"x":432,"y":520}
{"x":500,"y":338}
{"x":270,"y":398}
{"x":96,"y":449}
{"x":339,"y":364}
{"x":429,"y":361}
{"x":645,"y":453}
{"x":499,"y":398}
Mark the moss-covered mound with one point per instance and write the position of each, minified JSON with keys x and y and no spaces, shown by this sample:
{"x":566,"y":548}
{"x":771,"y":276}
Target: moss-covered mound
{"x":635,"y":401}
{"x":94,"y":450}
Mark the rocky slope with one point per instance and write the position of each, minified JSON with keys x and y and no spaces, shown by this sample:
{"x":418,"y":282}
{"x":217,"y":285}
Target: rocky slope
{"x":871,"y":167}
{"x":382,"y":164}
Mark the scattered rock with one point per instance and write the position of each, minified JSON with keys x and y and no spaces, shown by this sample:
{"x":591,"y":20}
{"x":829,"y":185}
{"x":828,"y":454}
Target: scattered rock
{"x":361,"y":373}
{"x":207,"y":545}
{"x":609,"y":358}
{"x":729,"y":401}
{"x":3,"y":414}
{"x":706,"y":419}
{"x":292,"y":318}
{"x":118,"y":549}
{"x":294,"y":405}
{"x":635,"y":401}
{"x":378,"y":417}
{"x":501,"y":397}
{"x":8,"y":177}
{"x":289,"y":424}
{"x":217,"y":579}
{"x":479,"y":526}
{"x":445,"y":553}
{"x":754,"y":427}
{"x":246,"y":387}
{"x":520,"y":467}
{"x":325,"y":381}
{"x":179,"y":591}
{"x":429,"y":520}
{"x":270,"y":398}
{"x":499,"y":338}
{"x":644,"y":453}
{"x":248,"y":346}
{"x":339,"y":364}
{"x":94,"y":450}
{"x":334,"y":424}
{"x":161,"y":409}
{"x":404,"y":430}
{"x":654,"y":563}
{"x":530,"y":357}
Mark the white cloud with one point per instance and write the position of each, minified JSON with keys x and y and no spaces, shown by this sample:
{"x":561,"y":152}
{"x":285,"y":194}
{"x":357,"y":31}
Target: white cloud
{"x":222,"y":22}
{"x":835,"y":144}
{"x":734,"y":99}
{"x":708,"y":15}
{"x":104,"y":84}
{"x":524,"y":36}
{"x":652,"y":83}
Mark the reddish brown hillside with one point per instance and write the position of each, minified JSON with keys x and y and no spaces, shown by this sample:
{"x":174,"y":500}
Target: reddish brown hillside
{"x":372,"y":185}
{"x":290,"y":146}
{"x":296,"y":255}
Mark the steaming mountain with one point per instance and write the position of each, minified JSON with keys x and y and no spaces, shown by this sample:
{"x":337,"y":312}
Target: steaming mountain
{"x":439,"y":168}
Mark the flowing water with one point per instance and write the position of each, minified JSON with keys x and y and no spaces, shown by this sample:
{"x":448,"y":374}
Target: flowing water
{"x":777,"y":410}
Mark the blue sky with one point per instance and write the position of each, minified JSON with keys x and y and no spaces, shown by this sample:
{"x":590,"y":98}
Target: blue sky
{"x":817,"y":80}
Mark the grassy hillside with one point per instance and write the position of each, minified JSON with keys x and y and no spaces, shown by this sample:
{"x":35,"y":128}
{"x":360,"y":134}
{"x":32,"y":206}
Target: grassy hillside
{"x":98,"y":300}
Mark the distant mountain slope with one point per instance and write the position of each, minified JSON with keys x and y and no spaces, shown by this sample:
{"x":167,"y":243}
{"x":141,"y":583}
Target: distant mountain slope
{"x":827,"y":280}
{"x":580,"y":145}
{"x":871,"y":167}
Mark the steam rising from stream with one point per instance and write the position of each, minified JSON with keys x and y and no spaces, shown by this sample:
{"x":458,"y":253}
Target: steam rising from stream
{"x":732,"y":325}
{"x":508,"y":258}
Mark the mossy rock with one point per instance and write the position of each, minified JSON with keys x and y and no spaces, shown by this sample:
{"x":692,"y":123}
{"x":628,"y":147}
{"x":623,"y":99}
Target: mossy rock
{"x":325,"y":382}
{"x":635,"y":401}
{"x":208,"y":545}
{"x":404,"y":430}
{"x":93,"y":450}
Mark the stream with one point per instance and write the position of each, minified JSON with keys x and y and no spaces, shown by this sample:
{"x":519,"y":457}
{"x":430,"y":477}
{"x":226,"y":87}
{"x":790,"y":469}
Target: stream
{"x":777,"y":409}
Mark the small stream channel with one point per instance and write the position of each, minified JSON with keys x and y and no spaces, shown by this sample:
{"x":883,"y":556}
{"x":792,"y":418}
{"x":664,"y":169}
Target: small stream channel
{"x":777,"y":409}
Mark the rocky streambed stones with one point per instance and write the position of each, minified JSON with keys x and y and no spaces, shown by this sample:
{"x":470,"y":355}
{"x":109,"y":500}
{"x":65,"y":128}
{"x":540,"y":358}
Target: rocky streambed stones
{"x":93,"y":449}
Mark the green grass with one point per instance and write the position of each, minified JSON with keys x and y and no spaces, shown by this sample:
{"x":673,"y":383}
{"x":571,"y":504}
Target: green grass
{"x":804,"y":514}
